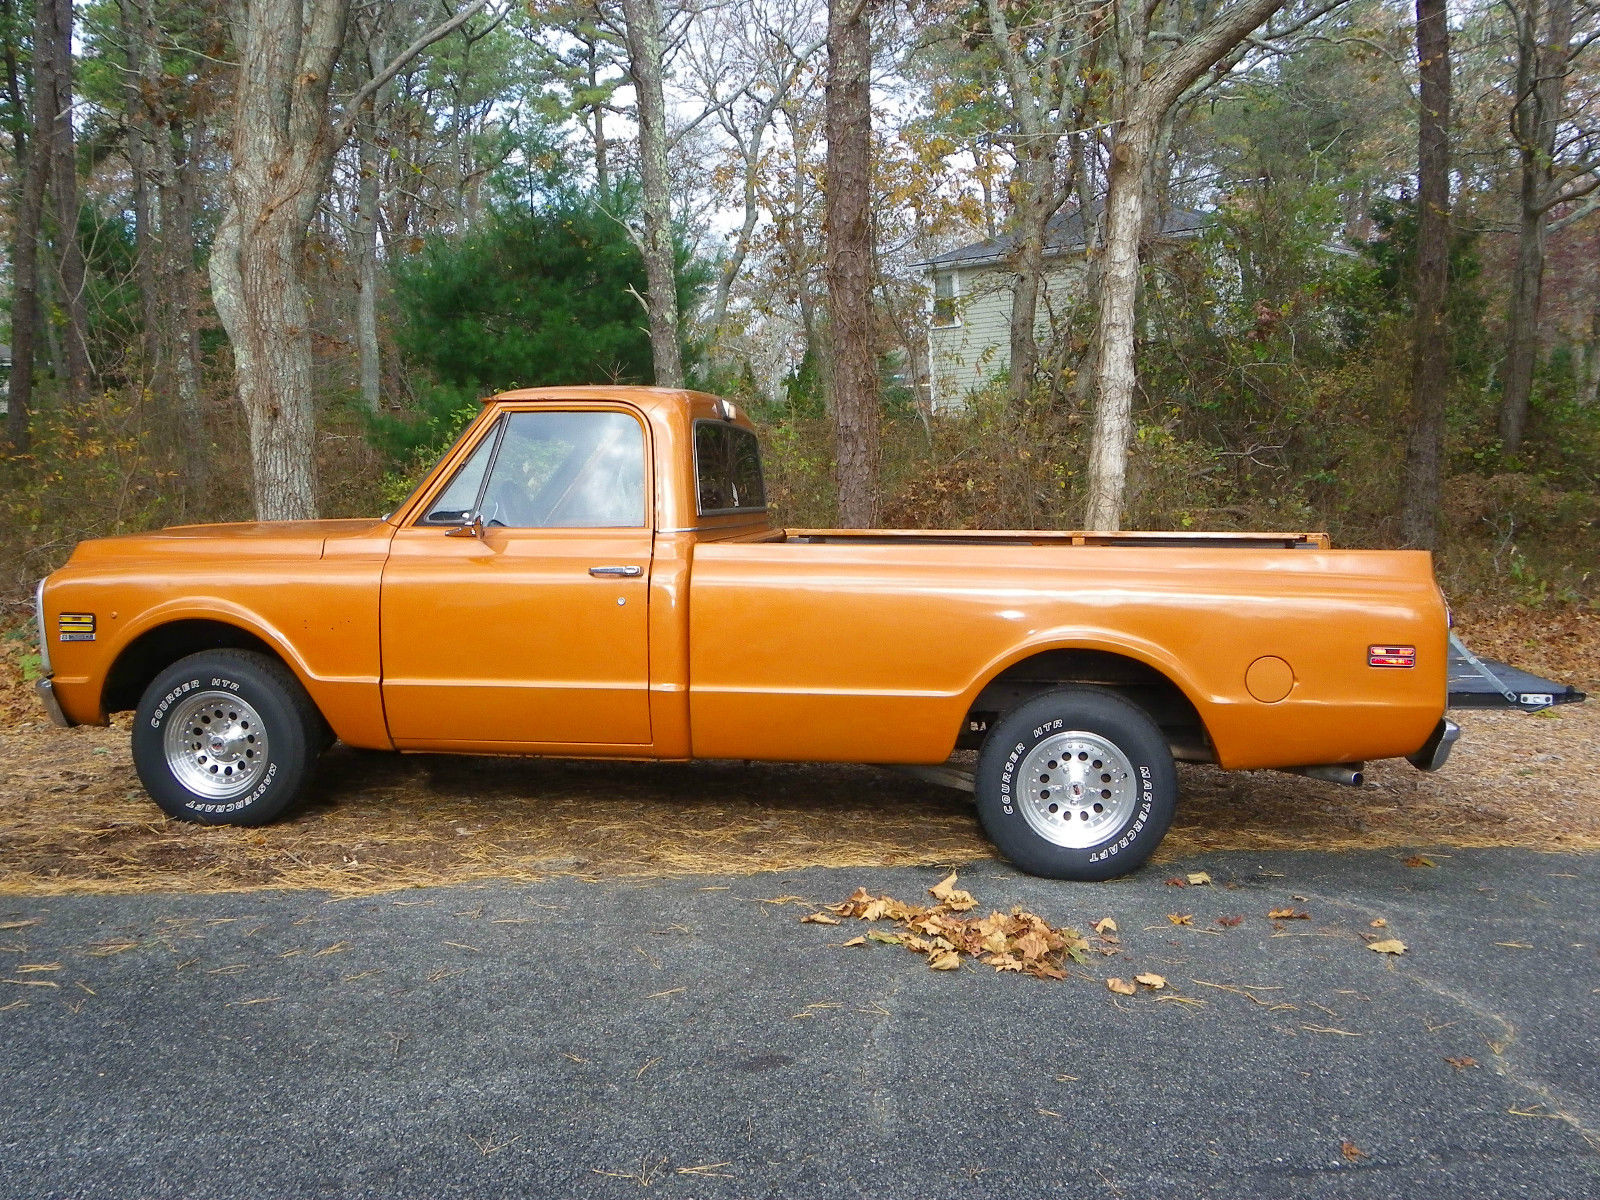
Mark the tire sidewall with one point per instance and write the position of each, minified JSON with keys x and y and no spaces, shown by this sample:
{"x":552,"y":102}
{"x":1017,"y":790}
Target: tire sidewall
{"x":1134,"y":734}
{"x":288,"y":747}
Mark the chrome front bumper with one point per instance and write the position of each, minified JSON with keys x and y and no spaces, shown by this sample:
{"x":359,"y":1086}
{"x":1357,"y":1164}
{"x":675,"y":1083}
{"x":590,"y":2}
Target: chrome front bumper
{"x":47,"y":693}
{"x":1435,"y":751}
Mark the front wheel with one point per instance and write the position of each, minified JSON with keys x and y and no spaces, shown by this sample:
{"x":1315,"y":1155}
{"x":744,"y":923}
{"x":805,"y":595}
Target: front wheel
{"x":1077,"y":783}
{"x":226,"y":737}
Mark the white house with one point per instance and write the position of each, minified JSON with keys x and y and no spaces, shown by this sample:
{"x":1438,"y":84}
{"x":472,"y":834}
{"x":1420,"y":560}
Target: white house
{"x":969,"y":334}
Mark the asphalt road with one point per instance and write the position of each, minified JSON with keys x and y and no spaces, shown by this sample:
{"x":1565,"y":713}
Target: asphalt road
{"x":679,"y":1038}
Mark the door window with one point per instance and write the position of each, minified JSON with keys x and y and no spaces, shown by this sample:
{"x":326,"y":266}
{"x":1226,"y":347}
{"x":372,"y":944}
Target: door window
{"x":552,"y":470}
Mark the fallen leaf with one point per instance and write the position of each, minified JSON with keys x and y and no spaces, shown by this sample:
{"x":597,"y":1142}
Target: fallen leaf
{"x":1105,"y":925}
{"x":1199,"y":879}
{"x":1388,"y":946}
{"x":1462,"y":1063}
{"x":1351,"y":1151}
{"x":1288,"y":914}
{"x":1181,"y":918}
{"x":1379,"y":923}
{"x":1121,"y":987}
{"x":1230,"y":922}
{"x":1420,"y":860}
{"x":1177,"y":881}
{"x":888,"y":939}
{"x":1032,"y":945}
{"x":1151,"y":980}
{"x":944,"y":960}
{"x":818,"y":918}
{"x":946,"y":893}
{"x":856,"y":941}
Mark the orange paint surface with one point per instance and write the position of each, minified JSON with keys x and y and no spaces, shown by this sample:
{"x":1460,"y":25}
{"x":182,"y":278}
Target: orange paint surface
{"x":736,"y":639}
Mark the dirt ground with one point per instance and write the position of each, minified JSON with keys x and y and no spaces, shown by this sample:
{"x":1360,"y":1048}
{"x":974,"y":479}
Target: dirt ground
{"x":73,"y":817}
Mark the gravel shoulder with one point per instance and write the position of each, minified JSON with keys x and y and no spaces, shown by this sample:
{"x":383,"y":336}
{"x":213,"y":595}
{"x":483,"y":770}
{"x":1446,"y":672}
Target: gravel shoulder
{"x":73,"y":817}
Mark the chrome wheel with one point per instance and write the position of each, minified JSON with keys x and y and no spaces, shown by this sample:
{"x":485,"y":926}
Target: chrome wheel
{"x":215,"y":744}
{"x":1077,"y":789}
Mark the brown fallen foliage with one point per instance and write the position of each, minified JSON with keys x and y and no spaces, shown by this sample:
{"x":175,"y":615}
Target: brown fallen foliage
{"x":1015,"y":941}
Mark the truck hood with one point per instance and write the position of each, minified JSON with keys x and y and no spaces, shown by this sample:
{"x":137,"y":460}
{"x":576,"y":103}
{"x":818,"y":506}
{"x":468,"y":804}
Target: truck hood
{"x":277,"y":539}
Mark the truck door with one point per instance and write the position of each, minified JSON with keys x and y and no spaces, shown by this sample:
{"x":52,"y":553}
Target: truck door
{"x":514,"y":605}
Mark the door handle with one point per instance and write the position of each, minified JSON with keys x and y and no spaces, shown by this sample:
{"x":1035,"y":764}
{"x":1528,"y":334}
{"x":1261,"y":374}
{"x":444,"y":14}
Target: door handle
{"x":624,"y":572}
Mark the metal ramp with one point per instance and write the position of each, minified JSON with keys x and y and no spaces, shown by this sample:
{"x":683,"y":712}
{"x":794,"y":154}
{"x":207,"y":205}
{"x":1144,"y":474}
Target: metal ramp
{"x":1485,"y":683}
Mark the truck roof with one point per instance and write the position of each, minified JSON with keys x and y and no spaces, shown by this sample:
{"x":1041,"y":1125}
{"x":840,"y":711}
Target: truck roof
{"x":651,"y":399}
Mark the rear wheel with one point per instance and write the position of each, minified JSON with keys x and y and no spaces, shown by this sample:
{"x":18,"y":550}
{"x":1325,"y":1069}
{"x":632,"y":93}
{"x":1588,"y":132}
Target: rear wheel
{"x":1077,"y":783}
{"x":226,"y":737}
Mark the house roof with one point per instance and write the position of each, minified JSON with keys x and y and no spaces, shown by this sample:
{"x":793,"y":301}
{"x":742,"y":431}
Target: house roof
{"x":1063,"y":235}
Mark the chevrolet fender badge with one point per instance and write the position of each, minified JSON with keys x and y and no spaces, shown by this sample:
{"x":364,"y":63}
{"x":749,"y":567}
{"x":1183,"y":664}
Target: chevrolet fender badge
{"x":75,"y":627}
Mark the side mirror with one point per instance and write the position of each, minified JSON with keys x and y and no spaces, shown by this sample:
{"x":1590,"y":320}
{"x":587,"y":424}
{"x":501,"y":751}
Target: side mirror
{"x":473,"y":528}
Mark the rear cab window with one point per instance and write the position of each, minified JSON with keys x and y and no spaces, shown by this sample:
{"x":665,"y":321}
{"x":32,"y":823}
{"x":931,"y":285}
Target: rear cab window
{"x":727,"y":465}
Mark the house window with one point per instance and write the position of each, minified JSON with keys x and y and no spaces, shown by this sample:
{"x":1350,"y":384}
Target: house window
{"x":945,"y":294}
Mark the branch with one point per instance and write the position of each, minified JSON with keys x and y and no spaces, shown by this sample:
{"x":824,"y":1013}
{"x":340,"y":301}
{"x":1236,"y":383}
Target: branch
{"x":1157,"y":94}
{"x":442,"y":30}
{"x":1577,"y":214}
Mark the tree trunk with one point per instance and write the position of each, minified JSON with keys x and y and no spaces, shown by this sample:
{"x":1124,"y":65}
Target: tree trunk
{"x":1035,"y":202}
{"x":25,"y":268}
{"x":847,"y":233}
{"x":366,"y":234}
{"x":1149,"y":94}
{"x":1118,"y":266}
{"x":64,"y":191}
{"x":1589,"y":390}
{"x":643,"y":21}
{"x":139,"y":133}
{"x":1430,"y":355}
{"x":178,"y":186}
{"x":1544,"y":31}
{"x":281,"y":150}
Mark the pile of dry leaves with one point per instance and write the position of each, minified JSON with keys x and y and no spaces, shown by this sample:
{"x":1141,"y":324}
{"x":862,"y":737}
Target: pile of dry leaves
{"x":1014,"y":941}
{"x":1024,"y":941}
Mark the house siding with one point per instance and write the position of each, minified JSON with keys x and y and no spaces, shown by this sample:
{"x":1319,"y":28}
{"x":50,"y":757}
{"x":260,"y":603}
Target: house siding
{"x":964,"y":357}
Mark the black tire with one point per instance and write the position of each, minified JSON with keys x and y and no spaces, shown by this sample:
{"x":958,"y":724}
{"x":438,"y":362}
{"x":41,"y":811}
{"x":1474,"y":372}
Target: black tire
{"x":253,"y":737}
{"x":1094,"y":832}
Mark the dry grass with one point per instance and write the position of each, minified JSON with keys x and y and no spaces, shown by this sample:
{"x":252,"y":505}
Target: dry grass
{"x":73,"y":817}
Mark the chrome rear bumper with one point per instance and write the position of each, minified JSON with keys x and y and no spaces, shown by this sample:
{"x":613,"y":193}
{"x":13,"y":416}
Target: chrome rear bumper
{"x":47,"y":693}
{"x":1435,"y":751}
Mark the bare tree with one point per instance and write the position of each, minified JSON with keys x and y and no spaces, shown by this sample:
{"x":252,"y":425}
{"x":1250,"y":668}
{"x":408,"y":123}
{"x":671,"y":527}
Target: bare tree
{"x":1039,"y":93}
{"x":760,"y":55}
{"x":49,"y":163}
{"x":1149,"y":88}
{"x":847,"y":230}
{"x":1430,"y":356}
{"x":25,"y":270}
{"x":282,"y":143}
{"x":70,"y":269}
{"x":1557,"y":166}
{"x":164,"y":233}
{"x":643,"y":29}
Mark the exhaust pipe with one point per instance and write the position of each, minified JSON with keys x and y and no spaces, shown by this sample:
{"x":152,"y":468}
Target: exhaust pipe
{"x":1349,"y":774}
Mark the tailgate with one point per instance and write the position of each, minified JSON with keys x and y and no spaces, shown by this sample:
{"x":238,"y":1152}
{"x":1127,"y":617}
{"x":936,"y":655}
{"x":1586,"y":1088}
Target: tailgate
{"x":1486,"y":683}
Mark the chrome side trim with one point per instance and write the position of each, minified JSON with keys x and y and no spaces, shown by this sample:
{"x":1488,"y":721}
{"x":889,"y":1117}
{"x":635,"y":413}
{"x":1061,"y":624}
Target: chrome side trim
{"x":38,"y":616}
{"x":1435,"y":752}
{"x":47,"y":693}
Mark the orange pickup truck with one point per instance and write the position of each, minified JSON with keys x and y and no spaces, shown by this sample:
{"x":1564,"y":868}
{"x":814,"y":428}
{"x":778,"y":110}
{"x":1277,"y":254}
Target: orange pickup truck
{"x":591,"y":572}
